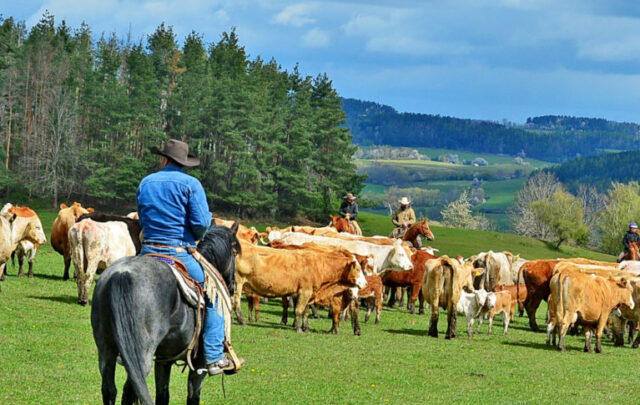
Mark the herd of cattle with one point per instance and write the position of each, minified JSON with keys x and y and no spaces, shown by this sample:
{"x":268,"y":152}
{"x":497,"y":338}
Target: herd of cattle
{"x":312,"y":267}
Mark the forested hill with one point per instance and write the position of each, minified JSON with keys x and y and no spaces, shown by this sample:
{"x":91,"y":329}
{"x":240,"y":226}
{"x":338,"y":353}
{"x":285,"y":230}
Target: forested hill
{"x":79,"y":112}
{"x":551,"y":138}
{"x":600,"y":171}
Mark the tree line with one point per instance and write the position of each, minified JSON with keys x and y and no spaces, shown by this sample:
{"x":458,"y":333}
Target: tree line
{"x":375,"y":124}
{"x":78,"y":115}
{"x":599,"y":171}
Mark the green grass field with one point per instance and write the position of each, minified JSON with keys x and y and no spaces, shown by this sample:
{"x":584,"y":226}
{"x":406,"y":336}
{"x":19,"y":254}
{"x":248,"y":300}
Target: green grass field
{"x":47,"y":354}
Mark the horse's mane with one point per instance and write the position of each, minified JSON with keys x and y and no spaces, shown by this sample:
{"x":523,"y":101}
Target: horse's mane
{"x":216,"y":245}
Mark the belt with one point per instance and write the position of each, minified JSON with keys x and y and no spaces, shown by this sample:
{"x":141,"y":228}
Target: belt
{"x":178,"y":249}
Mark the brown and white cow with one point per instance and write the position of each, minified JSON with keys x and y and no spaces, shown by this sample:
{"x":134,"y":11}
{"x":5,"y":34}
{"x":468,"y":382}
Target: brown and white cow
{"x":67,"y":217}
{"x":273,"y":272}
{"x":25,"y":225}
{"x":411,"y":279}
{"x":580,"y":298}
{"x":94,"y":247}
{"x":442,"y":284}
{"x":518,"y":294}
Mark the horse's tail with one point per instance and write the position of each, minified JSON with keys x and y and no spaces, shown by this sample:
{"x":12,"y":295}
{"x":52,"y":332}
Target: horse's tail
{"x":127,"y":334}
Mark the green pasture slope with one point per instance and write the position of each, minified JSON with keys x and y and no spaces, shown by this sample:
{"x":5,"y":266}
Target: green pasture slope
{"x":47,"y":354}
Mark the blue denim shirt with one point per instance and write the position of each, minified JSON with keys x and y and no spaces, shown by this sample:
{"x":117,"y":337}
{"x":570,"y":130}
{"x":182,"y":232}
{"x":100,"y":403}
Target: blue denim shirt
{"x":172,"y":207}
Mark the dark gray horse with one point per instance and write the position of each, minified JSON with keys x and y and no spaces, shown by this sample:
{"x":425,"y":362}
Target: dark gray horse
{"x":138,"y":313}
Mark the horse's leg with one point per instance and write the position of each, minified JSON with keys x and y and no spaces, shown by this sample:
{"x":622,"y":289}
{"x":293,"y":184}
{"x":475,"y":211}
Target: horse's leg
{"x":129,"y":396}
{"x":194,"y":386}
{"x":162,"y":375}
{"x":107,"y":366}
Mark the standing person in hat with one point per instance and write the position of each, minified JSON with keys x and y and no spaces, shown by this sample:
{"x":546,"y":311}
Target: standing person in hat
{"x":631,"y":236}
{"x":403,"y":218}
{"x":349,"y":207}
{"x":174,"y":214}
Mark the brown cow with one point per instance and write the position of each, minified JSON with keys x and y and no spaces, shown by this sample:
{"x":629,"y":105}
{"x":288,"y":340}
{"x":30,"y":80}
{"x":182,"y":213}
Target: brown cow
{"x":273,"y":272}
{"x":518,"y":294}
{"x":66,"y":218}
{"x":587,"y":300}
{"x":442,"y":283}
{"x":536,"y":275}
{"x":411,"y":279}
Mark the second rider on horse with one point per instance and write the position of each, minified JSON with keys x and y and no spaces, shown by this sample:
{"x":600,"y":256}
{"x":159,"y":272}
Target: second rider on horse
{"x":631,"y":236}
{"x":174,"y":214}
{"x":349,"y":210}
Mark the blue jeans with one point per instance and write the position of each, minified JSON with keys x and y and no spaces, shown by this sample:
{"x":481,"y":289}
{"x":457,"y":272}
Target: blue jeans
{"x":213,"y":328}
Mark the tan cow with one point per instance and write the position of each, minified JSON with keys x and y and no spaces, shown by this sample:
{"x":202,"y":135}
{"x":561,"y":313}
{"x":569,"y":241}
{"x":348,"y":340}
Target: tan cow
{"x":277,"y":273}
{"x":25,"y":225}
{"x":497,"y":267}
{"x":580,"y":298}
{"x":442,"y":284}
{"x":94,"y":247}
{"x":67,"y":217}
{"x":249,"y":234}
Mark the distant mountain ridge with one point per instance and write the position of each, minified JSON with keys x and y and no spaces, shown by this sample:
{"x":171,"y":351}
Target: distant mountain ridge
{"x":599,"y":171}
{"x":551,"y":138}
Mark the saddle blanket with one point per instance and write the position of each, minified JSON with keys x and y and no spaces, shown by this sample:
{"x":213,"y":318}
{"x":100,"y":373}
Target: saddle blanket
{"x":188,"y":293}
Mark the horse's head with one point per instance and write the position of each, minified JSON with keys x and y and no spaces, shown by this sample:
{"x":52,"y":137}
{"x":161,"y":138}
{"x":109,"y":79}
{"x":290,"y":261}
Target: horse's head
{"x":340,"y":224}
{"x":423,"y":228}
{"x":219,"y":246}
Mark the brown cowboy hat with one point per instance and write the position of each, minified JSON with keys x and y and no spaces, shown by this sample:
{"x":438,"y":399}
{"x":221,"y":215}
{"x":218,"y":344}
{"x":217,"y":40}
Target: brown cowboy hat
{"x":350,"y":197}
{"x":178,"y":151}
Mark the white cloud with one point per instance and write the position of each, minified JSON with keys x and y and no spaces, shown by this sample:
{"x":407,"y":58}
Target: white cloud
{"x":295,"y":15}
{"x":364,"y":25}
{"x":411,"y":46}
{"x":316,"y":38}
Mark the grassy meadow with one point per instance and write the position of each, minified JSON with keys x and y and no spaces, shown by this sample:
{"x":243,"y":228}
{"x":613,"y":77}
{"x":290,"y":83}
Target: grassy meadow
{"x":502,"y":178}
{"x":47,"y":354}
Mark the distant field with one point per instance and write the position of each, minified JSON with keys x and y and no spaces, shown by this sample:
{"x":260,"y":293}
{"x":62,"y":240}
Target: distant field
{"x":491,"y":158}
{"x":500,"y":194}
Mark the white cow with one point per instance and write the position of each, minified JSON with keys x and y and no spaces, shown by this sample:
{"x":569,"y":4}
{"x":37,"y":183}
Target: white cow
{"x":470,"y":305}
{"x":388,"y":257}
{"x":94,"y":247}
{"x":497,"y":267}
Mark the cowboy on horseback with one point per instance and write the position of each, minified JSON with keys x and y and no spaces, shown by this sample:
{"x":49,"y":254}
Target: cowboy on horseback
{"x":349,"y":210}
{"x":174,"y":214}
{"x":403,"y":218}
{"x":630,"y":237}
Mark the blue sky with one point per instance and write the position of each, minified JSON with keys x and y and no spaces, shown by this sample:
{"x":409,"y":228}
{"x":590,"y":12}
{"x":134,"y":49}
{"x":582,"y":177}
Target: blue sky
{"x":486,"y":59}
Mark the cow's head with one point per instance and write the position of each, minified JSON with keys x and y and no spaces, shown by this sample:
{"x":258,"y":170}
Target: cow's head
{"x":400,"y":257}
{"x":481,"y":297}
{"x":626,"y":292}
{"x":34,"y":231}
{"x":466,"y":275}
{"x":491,"y":300}
{"x":353,"y":274}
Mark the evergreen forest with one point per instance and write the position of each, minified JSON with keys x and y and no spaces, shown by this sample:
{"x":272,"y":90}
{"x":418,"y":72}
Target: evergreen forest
{"x":79,"y":111}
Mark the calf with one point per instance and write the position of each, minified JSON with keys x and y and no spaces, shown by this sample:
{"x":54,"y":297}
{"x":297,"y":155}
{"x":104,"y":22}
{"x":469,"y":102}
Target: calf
{"x":498,"y":302}
{"x":372,"y":294}
{"x":27,"y":249}
{"x":470,"y":305}
{"x":518,"y":294}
